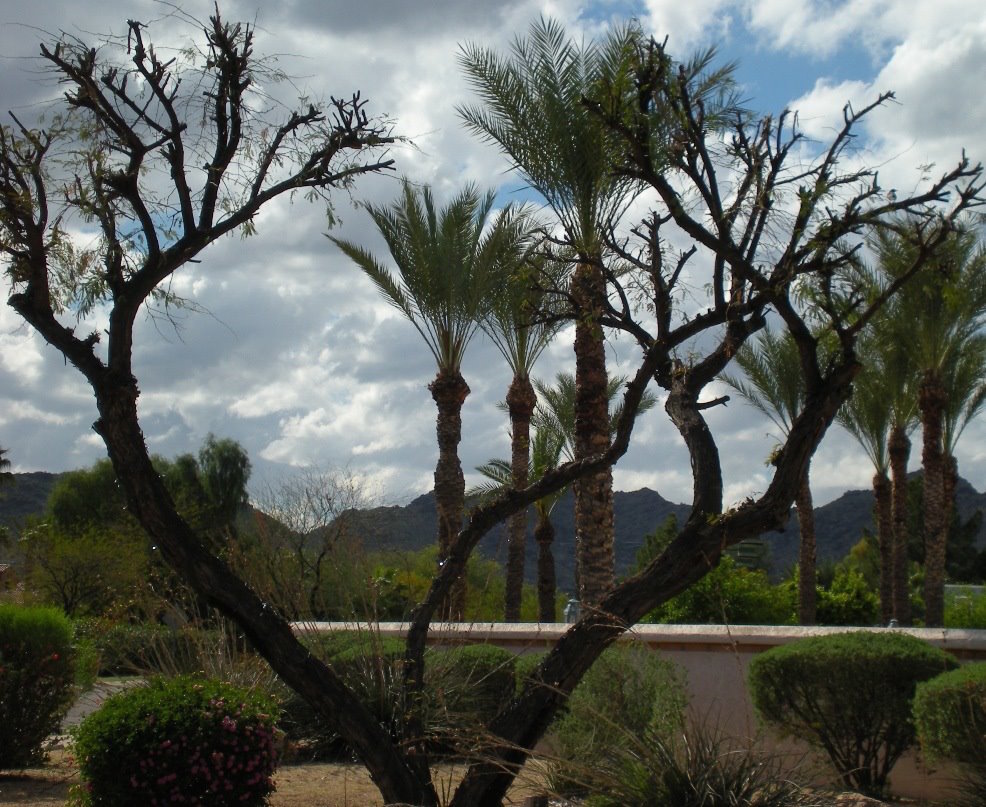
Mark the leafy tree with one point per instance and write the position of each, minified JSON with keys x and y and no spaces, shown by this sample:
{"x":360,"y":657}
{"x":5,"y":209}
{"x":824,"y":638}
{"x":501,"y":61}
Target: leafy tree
{"x":224,"y":470}
{"x":775,"y":385}
{"x":531,"y":109}
{"x":450,"y":266}
{"x":6,"y":477}
{"x":807,"y":255}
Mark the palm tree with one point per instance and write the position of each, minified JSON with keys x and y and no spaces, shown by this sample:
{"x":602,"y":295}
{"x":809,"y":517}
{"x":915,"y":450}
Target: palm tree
{"x":6,"y":477}
{"x":944,"y":308}
{"x":448,"y":265}
{"x":521,"y":334}
{"x":867,"y":417}
{"x":775,"y":386}
{"x":533,"y":111}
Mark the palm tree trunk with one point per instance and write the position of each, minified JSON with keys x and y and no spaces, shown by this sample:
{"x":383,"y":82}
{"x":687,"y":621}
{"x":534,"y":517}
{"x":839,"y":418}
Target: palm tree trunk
{"x":521,"y":401}
{"x":593,"y":494}
{"x":931,"y":402}
{"x":899,"y":449}
{"x":449,"y":390}
{"x":544,"y":534}
{"x":885,"y":539}
{"x":806,"y":558}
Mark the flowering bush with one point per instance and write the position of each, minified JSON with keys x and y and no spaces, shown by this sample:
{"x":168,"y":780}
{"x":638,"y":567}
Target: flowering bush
{"x":36,"y":677}
{"x":183,"y":740}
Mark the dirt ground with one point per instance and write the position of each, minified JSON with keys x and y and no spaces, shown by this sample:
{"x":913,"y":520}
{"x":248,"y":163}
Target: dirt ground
{"x":315,"y":785}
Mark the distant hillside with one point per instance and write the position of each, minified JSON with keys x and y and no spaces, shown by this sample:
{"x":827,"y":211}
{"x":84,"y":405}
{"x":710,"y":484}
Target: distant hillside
{"x":25,"y":496}
{"x":839,"y":524}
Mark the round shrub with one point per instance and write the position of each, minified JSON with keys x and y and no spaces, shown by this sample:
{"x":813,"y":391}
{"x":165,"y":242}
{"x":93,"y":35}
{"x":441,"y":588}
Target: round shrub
{"x":36,"y":680}
{"x":950,"y":715}
{"x":850,"y":694}
{"x":630,"y":691}
{"x":182,"y":740}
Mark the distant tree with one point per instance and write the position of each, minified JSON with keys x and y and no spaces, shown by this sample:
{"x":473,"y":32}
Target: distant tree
{"x":451,"y":265}
{"x":6,"y":477}
{"x":775,"y":385}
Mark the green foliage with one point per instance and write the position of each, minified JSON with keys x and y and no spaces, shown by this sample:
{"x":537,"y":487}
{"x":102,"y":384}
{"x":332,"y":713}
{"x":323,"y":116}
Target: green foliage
{"x":695,"y":767}
{"x":950,"y":715}
{"x":729,"y":594}
{"x":467,"y":686}
{"x":850,"y":694}
{"x":629,"y":691}
{"x":965,"y":608}
{"x":183,"y":740}
{"x":36,"y":677}
{"x":848,"y":600}
{"x":655,"y":543}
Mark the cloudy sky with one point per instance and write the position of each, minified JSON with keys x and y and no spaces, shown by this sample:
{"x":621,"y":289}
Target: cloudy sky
{"x":295,"y":355}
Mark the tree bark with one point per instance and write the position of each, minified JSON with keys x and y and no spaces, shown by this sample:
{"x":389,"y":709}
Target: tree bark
{"x":931,"y":402}
{"x":521,"y":400}
{"x":885,"y":540}
{"x":449,"y":391}
{"x":899,"y":449}
{"x":544,"y":534}
{"x":806,"y":554}
{"x":593,"y":493}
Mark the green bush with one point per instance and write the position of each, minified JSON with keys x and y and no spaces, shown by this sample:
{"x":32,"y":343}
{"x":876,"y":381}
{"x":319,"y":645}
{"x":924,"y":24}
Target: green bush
{"x":729,"y":594}
{"x":466,"y":687}
{"x":965,"y":609}
{"x":126,"y":648}
{"x":850,"y":694}
{"x":36,"y":680}
{"x":182,"y":740}
{"x":849,"y":600}
{"x":629,"y":691}
{"x":950,"y":716}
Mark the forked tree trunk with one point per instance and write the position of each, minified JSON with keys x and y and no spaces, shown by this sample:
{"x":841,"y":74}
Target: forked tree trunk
{"x":593,"y":494}
{"x":931,"y":402}
{"x":544,"y":534}
{"x":521,"y":401}
{"x":899,"y":449}
{"x":885,"y":540}
{"x":449,"y":390}
{"x":806,"y":554}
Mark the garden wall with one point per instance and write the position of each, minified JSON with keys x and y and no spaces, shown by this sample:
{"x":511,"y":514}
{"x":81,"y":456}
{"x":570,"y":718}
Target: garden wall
{"x":715,"y":659}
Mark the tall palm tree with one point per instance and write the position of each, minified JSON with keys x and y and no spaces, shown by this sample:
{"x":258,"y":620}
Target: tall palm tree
{"x":945,"y":308}
{"x":532,"y":109}
{"x":775,"y":386}
{"x":448,"y":265}
{"x":867,"y":417}
{"x":518,"y":328}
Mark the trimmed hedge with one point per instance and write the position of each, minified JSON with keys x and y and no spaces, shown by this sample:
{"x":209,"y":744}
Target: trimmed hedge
{"x":36,"y":680}
{"x":950,"y":715}
{"x":849,"y":694}
{"x":181,"y":740}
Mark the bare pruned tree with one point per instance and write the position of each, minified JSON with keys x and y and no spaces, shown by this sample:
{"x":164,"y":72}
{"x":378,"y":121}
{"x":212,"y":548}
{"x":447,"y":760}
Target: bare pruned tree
{"x":760,"y":234}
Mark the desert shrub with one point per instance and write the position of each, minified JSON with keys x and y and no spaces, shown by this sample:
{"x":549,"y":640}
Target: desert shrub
{"x":466,"y":687}
{"x":694,"y":767}
{"x":126,"y":648}
{"x":181,"y":740}
{"x":729,"y":594}
{"x":850,"y":694}
{"x":629,"y":691}
{"x":848,"y":600}
{"x":36,"y":680}
{"x":950,"y":716}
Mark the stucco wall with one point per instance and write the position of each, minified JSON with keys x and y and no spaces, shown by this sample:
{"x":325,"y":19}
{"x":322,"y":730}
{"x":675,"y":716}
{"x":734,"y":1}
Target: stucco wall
{"x":715,"y":659}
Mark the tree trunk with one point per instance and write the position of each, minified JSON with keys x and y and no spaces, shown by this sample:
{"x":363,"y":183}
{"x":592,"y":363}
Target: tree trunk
{"x":521,"y":401}
{"x":899,"y":448}
{"x":885,"y":540}
{"x":594,"y":493}
{"x":449,"y":391}
{"x":544,"y":534}
{"x":931,"y":401}
{"x":806,"y":556}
